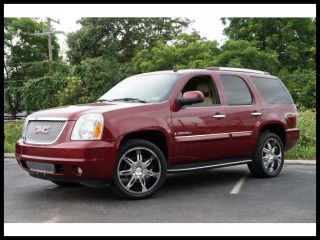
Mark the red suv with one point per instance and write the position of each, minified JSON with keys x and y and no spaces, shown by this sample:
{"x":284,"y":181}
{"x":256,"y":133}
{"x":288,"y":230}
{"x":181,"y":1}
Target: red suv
{"x":153,"y":124}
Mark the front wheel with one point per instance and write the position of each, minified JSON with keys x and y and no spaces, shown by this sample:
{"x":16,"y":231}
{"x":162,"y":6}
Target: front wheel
{"x":140,"y":170}
{"x":269,"y":156}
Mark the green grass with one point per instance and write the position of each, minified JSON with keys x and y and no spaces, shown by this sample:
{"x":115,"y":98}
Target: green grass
{"x":306,"y":146}
{"x":12,"y":131}
{"x":305,"y":149}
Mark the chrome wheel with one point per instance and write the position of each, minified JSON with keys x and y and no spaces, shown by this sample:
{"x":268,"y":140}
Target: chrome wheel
{"x":139,"y":170}
{"x":271,"y":155}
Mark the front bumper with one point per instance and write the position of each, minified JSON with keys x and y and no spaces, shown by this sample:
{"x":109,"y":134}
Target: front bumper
{"x":95,"y":158}
{"x":292,"y":137}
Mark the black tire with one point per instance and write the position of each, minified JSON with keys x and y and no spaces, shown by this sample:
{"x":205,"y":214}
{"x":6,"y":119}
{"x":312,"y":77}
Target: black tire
{"x":257,"y":166}
{"x":158,"y":165}
{"x":66,"y":184}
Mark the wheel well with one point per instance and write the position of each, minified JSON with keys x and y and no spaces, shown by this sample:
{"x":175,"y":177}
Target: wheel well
{"x":156,"y":137}
{"x":276,"y":129}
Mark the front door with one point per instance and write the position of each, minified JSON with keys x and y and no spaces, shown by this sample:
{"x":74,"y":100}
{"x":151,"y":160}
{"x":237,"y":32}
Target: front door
{"x":200,"y":129}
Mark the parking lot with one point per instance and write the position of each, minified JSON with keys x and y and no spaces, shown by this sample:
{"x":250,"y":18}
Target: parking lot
{"x":216,"y":196}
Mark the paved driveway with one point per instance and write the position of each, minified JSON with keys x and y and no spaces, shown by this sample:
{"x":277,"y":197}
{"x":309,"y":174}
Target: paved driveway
{"x":219,"y":195}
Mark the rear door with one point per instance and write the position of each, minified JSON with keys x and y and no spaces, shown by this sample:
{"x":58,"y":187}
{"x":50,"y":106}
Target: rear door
{"x":243,"y":114}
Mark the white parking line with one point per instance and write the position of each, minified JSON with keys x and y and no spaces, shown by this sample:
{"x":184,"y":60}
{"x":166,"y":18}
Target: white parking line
{"x":236,"y":189}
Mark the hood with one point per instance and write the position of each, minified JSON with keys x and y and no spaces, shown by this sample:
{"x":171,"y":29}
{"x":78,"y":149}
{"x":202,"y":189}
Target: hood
{"x":72,"y":112}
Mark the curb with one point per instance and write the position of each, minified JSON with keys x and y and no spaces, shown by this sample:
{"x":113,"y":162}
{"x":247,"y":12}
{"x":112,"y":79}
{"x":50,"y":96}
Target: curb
{"x":300,"y":162}
{"x":286,"y":162}
{"x":9,"y":155}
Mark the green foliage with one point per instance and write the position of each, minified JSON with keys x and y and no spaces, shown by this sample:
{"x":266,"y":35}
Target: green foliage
{"x":98,"y":75}
{"x":293,"y":39}
{"x":21,"y":49}
{"x":120,"y":38}
{"x":306,"y":147}
{"x":12,"y":132}
{"x":301,"y":83}
{"x":187,"y":51}
{"x":74,"y":92}
{"x":41,"y":93}
{"x":242,"y":54}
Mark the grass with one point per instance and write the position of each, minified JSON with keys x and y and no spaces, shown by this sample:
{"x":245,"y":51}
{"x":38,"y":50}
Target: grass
{"x":305,"y":149}
{"x":12,"y":132}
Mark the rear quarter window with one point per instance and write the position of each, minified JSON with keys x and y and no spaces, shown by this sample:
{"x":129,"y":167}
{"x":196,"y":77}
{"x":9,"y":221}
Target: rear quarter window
{"x":272,"y":90}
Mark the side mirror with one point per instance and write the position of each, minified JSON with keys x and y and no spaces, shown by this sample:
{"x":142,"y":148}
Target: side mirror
{"x":190,"y":97}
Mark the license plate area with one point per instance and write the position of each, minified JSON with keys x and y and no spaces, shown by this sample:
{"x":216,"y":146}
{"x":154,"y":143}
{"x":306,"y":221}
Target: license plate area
{"x":41,"y":167}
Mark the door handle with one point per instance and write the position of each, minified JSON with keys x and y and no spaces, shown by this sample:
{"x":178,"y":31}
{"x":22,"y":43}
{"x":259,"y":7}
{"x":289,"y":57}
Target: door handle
{"x":219,"y":116}
{"x":256,"y":114}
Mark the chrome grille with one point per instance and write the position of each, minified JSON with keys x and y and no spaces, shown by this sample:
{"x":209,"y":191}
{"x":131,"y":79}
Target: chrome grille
{"x":43,"y":132}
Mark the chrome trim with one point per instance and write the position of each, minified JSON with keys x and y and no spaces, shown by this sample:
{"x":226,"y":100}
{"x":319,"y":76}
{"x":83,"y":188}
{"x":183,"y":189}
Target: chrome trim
{"x":211,"y":134}
{"x":208,"y":166}
{"x":219,"y":116}
{"x":256,"y":113}
{"x":241,"y":132}
{"x":46,"y":119}
{"x":201,"y":135}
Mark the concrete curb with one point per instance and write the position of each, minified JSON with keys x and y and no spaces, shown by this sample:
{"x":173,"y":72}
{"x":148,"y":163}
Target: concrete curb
{"x":299,"y":162}
{"x":286,"y":162}
{"x":9,"y":155}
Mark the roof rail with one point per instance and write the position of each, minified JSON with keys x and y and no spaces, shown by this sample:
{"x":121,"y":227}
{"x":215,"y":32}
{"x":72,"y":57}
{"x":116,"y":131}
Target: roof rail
{"x":238,"y":70}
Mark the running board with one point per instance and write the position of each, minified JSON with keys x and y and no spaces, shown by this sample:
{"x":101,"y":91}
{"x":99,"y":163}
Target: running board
{"x":206,"y":165}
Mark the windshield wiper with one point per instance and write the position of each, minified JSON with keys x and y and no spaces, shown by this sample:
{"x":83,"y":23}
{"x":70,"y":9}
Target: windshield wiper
{"x":129,"y":99}
{"x":104,"y":100}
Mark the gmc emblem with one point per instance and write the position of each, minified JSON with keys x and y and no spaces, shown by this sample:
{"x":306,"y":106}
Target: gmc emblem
{"x":41,"y":129}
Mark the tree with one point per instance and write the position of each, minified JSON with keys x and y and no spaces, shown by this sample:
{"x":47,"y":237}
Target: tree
{"x":186,"y":51}
{"x":302,"y":85}
{"x":242,"y":54}
{"x":21,"y":50}
{"x":120,"y":38}
{"x":293,"y":39}
{"x":41,"y":91}
{"x":91,"y":79}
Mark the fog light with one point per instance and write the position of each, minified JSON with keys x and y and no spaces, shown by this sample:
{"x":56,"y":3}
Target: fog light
{"x":77,"y":170}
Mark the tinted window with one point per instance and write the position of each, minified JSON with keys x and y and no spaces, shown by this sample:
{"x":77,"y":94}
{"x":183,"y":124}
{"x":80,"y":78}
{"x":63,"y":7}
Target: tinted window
{"x":236,"y":90}
{"x":272,"y":90}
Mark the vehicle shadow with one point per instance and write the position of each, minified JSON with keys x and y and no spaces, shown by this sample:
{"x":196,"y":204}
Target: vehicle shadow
{"x":175,"y":184}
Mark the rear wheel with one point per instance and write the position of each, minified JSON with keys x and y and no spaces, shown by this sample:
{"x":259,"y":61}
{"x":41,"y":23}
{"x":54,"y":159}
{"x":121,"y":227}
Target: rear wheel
{"x":269,"y":156}
{"x":140,"y":170}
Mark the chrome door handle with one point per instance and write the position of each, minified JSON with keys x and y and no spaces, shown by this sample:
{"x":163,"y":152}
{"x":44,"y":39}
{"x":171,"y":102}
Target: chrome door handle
{"x":256,"y":113}
{"x":219,"y":116}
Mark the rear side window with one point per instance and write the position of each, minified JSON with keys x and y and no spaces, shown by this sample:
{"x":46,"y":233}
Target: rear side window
{"x":272,"y":90}
{"x":236,"y":90}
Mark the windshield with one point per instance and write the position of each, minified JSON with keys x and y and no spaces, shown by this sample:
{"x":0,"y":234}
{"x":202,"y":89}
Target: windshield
{"x":143,"y":88}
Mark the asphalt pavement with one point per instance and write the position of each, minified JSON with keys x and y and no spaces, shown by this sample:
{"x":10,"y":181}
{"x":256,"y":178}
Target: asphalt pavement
{"x":225,"y":195}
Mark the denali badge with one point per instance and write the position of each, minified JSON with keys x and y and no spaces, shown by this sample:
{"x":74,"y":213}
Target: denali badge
{"x":41,"y":129}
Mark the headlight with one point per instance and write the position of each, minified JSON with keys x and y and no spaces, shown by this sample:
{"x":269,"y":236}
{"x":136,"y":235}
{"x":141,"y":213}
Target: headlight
{"x":25,"y":127}
{"x":88,"y":127}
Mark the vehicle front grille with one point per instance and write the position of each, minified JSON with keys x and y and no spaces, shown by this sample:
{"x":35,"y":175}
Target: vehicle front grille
{"x":43,"y":132}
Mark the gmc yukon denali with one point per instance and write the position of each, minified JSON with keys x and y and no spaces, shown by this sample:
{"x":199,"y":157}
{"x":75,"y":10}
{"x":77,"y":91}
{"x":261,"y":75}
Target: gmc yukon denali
{"x":153,"y":124}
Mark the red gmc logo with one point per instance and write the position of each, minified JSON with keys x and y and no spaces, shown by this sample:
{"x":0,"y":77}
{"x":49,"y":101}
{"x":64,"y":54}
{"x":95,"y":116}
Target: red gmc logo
{"x":41,"y":129}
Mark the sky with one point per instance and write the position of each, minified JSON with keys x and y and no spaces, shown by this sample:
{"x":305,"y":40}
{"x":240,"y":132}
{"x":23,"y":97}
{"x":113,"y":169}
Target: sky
{"x":210,"y":28}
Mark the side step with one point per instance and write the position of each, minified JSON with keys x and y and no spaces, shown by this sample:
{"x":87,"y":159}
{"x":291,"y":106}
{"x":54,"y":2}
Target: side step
{"x":207,"y":165}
